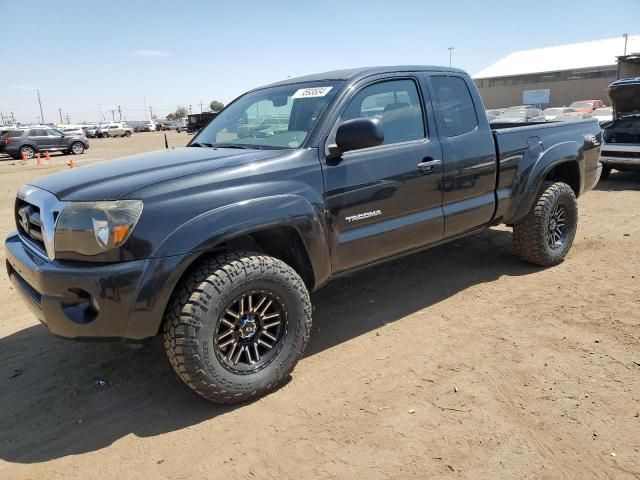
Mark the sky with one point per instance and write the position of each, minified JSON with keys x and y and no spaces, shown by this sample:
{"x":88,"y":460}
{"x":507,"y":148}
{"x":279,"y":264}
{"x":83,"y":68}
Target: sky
{"x":87,"y":58}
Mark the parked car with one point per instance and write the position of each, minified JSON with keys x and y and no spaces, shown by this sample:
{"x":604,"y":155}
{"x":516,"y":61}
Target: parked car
{"x":145,"y":127}
{"x":114,"y":130}
{"x":621,"y":149}
{"x":92,"y":131}
{"x":72,"y":130}
{"x":603,"y":114}
{"x":216,"y":245}
{"x":521,"y":115}
{"x":29,"y":142}
{"x":550,"y":114}
{"x":573,"y":116}
{"x":163,"y":127}
{"x":587,"y":106}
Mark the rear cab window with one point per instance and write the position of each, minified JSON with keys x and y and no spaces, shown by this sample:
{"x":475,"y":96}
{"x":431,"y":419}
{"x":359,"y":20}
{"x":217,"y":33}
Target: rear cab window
{"x":454,"y":106}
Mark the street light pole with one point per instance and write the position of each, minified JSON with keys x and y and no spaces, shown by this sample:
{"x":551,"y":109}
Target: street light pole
{"x":40,"y":103}
{"x":450,"y":55}
{"x":626,"y":38}
{"x":60,"y":112}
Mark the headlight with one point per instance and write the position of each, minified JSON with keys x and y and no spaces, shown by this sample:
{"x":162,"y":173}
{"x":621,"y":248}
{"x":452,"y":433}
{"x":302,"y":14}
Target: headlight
{"x":90,"y":228}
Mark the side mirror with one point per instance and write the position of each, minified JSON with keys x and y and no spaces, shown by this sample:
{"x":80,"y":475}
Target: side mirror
{"x":359,"y":133}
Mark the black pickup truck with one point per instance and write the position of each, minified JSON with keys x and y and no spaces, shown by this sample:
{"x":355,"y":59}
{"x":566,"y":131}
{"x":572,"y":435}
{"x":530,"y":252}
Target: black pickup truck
{"x":216,"y":246}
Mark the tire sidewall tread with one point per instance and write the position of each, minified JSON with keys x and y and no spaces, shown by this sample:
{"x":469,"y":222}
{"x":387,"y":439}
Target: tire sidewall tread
{"x":209,"y":287}
{"x":529,"y":235}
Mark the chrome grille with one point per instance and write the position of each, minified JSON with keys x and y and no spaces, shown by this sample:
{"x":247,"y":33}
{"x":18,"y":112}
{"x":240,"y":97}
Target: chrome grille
{"x":29,"y":223}
{"x":36,"y":213}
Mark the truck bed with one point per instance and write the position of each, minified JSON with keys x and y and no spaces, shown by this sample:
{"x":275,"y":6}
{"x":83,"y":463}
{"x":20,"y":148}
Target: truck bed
{"x":522,"y":148}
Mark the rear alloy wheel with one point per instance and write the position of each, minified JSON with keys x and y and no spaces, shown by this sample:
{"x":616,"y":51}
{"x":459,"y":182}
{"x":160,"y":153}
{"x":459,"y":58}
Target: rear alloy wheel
{"x":237,"y":326}
{"x":77,"y":148}
{"x":105,"y":135}
{"x":127,"y":134}
{"x":27,"y":152}
{"x":545,"y":235}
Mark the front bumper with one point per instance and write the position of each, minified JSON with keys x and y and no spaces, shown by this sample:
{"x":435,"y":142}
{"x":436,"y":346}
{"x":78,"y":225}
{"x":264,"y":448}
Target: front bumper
{"x":118,"y":301}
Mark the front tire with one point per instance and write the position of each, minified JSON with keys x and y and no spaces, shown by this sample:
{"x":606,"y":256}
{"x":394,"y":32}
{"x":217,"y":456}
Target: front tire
{"x":606,"y":171}
{"x":237,"y":325}
{"x":77,"y":148}
{"x":545,"y":235}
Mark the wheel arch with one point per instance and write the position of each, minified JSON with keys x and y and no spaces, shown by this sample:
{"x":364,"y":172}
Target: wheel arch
{"x":562,"y":162}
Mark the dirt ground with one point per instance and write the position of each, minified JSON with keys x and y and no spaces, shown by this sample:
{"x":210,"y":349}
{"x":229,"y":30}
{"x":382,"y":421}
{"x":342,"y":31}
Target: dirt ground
{"x":459,"y":362}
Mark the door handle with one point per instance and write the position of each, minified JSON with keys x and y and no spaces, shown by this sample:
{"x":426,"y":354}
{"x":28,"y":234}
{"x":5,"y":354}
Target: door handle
{"x":429,"y":165}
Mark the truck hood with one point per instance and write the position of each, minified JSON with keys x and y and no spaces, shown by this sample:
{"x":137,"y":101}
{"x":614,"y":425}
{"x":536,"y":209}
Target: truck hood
{"x":115,"y":179}
{"x":625,"y":96}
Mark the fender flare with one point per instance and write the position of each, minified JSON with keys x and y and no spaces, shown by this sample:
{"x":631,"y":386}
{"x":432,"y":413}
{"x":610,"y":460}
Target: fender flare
{"x":526,"y":192}
{"x":208,"y":230}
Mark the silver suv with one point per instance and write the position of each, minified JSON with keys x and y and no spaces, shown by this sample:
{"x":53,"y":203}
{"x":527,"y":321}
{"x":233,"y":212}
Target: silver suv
{"x":114,"y":130}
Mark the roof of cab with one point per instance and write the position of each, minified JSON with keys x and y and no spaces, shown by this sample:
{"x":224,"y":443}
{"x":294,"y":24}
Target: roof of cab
{"x":358,"y":73}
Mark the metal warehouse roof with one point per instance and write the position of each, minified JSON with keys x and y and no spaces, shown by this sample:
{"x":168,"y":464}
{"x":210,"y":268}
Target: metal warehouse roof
{"x":596,"y":53}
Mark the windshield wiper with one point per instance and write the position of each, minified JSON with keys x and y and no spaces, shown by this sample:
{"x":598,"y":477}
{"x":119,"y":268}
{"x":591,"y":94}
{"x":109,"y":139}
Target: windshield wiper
{"x":231,"y":145}
{"x":200,"y":144}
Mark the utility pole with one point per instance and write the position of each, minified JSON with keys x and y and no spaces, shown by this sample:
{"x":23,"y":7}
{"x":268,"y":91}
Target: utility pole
{"x":151,"y":112}
{"x":60,"y":112}
{"x":119,"y":113}
{"x":144,"y":103}
{"x":450,"y":55}
{"x":40,"y":103}
{"x":113,"y":115}
{"x":201,"y":104}
{"x":68,"y":119}
{"x":13,"y":120}
{"x":626,"y":38}
{"x":2,"y":116}
{"x":190,"y":109}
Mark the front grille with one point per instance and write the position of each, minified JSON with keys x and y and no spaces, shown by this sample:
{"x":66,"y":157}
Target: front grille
{"x":610,"y":153}
{"x":29,"y":223}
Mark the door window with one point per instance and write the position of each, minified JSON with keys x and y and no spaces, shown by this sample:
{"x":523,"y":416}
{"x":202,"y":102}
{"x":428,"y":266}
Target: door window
{"x":37,"y":132}
{"x":53,"y":133}
{"x":454,"y":105}
{"x":396,"y":103}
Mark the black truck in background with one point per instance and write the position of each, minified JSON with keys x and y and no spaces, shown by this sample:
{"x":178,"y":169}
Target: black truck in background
{"x":217,"y":245}
{"x":196,"y":121}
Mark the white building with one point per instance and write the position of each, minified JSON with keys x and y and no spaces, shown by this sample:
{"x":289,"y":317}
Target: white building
{"x":563,"y":73}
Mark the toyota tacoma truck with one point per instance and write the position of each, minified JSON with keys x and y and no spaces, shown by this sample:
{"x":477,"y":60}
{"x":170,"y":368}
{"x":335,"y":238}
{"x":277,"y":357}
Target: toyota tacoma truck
{"x":216,"y":246}
{"x":621,"y":148}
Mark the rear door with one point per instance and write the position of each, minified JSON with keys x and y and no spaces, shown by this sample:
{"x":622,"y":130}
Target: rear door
{"x":381,"y":201}
{"x":39,"y":138}
{"x":468,"y":152}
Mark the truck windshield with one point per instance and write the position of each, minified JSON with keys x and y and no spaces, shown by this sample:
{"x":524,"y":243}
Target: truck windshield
{"x":274,"y":117}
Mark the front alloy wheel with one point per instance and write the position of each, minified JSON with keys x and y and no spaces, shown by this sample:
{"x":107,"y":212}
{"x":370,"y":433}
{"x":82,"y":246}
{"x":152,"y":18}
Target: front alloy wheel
{"x":237,"y":325}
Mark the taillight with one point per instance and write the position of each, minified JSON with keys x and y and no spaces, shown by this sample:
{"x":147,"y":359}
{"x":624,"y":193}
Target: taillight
{"x":7,"y":140}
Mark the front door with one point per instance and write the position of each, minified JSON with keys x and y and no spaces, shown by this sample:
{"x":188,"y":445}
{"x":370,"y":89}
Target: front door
{"x":54,"y":139}
{"x":385,"y":200}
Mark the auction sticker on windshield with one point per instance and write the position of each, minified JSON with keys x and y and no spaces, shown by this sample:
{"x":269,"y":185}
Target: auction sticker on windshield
{"x":312,"y":92}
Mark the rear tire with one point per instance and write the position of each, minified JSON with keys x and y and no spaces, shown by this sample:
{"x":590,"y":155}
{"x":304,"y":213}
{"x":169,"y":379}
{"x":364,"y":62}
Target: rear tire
{"x":545,"y":235}
{"x":28,"y":151}
{"x":225,"y":314}
{"x":127,"y":134}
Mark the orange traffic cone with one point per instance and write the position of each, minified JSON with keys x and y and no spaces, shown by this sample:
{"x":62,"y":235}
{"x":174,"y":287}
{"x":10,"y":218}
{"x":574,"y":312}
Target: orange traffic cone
{"x":39,"y":160}
{"x":24,"y":158}
{"x":47,"y":156}
{"x":72,"y":164}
